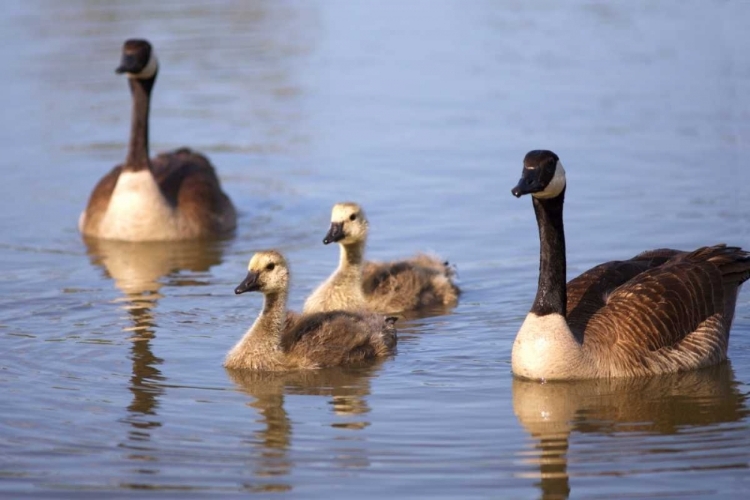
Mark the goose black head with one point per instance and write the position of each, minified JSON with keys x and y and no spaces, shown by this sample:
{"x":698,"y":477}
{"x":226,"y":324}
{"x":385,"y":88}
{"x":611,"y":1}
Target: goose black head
{"x":138,"y":60}
{"x":543,"y":176}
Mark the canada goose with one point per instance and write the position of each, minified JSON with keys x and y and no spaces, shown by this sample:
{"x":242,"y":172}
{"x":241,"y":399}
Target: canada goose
{"x":175,"y":196}
{"x":419,"y":283}
{"x":278,"y":342}
{"x":662,"y":311}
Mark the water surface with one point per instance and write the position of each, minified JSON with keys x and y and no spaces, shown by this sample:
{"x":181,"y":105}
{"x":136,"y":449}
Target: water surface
{"x":111,"y":376}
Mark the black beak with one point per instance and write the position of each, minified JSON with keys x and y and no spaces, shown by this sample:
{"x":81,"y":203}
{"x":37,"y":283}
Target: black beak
{"x":249,"y":284}
{"x":128,"y":64}
{"x":336,"y":233}
{"x":530,"y":183}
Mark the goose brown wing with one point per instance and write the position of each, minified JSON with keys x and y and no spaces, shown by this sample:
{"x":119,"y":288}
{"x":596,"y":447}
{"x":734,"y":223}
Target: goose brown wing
{"x":659,"y":308}
{"x":176,"y":168}
{"x":589,"y":292}
{"x":189,"y":181}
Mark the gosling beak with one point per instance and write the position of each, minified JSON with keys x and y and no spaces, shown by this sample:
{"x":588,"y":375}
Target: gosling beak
{"x":530,"y":183}
{"x":335,"y":233}
{"x":128,"y":64}
{"x":249,"y":284}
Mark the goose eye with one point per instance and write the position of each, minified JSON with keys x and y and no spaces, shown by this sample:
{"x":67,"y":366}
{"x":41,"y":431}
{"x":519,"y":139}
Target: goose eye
{"x":270,"y":266}
{"x":353,"y":217}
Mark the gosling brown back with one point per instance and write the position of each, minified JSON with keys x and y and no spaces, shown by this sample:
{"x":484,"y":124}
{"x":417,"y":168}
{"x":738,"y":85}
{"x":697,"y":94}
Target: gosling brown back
{"x":339,"y":338}
{"x":417,"y":284}
{"x":279,"y":340}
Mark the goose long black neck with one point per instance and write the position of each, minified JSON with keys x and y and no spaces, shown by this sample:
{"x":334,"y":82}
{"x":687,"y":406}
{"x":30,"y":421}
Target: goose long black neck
{"x":138,"y":148}
{"x":551,"y":296}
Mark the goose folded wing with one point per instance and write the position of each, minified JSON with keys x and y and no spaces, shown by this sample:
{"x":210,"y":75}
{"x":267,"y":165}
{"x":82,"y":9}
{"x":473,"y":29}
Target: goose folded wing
{"x":590,"y":291}
{"x":661,"y":308}
{"x":182,"y":170}
{"x":189,"y":181}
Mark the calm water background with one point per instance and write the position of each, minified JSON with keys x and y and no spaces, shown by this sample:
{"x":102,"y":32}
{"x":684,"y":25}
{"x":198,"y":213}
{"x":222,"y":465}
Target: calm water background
{"x":110,"y":373}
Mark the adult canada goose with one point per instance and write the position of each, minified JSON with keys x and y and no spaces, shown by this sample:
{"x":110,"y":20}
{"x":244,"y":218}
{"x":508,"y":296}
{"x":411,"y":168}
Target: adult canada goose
{"x":416,"y":284}
{"x":662,"y":311}
{"x":278,"y":341}
{"x":175,"y":196}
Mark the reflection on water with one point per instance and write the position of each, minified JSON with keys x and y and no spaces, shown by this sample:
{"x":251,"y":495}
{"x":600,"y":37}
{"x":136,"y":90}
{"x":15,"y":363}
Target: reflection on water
{"x":347,"y":388}
{"x":138,"y":270}
{"x":554,"y":414}
{"x":420,"y":110}
{"x":145,"y":383}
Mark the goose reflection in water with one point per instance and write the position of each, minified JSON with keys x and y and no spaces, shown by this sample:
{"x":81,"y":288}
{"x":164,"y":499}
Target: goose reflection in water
{"x":348,"y":388}
{"x":553,"y":413}
{"x":138,"y":270}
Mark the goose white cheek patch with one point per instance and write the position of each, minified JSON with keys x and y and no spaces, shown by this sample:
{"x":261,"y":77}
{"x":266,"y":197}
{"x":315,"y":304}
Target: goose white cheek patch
{"x":149,"y":70}
{"x":556,"y":185}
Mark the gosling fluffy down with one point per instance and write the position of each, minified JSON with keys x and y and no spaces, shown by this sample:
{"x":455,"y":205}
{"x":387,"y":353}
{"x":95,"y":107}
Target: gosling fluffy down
{"x":419,"y":284}
{"x":280,"y":341}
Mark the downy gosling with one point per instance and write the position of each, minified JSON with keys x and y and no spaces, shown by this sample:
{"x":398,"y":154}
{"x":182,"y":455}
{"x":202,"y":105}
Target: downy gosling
{"x":417,"y":284}
{"x":279,"y":341}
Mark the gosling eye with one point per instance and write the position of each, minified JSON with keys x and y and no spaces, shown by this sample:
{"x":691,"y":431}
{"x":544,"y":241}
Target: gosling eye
{"x":270,"y":266}
{"x":353,"y":217}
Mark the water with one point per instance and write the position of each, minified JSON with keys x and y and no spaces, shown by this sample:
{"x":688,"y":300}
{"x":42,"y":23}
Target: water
{"x":111,"y":377}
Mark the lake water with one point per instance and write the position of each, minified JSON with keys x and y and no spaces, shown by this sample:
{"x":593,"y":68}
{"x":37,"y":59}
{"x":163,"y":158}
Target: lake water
{"x":110,"y":375}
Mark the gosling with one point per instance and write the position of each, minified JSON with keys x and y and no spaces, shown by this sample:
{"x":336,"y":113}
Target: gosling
{"x":420,"y":284}
{"x":279,"y":341}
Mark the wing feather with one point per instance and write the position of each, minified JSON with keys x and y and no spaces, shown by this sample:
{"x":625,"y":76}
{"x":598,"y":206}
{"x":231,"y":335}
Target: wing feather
{"x":663,"y":317}
{"x":189,"y":182}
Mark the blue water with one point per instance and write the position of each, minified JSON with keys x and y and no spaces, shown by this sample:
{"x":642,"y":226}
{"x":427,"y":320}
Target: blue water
{"x":111,"y":376}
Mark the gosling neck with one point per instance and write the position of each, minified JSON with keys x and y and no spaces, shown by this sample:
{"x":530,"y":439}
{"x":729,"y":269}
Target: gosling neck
{"x":350,"y":261}
{"x":270,"y":323}
{"x":137,"y":158}
{"x":551,"y":295}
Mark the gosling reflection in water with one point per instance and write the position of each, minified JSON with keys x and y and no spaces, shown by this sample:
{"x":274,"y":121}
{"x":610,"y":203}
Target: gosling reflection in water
{"x":138,"y":270}
{"x":348,"y":388}
{"x":551,"y":412}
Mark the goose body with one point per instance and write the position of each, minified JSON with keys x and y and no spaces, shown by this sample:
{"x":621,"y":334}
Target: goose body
{"x":280,"y":341}
{"x":662,"y":311}
{"x":175,"y":196}
{"x":416,"y":284}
